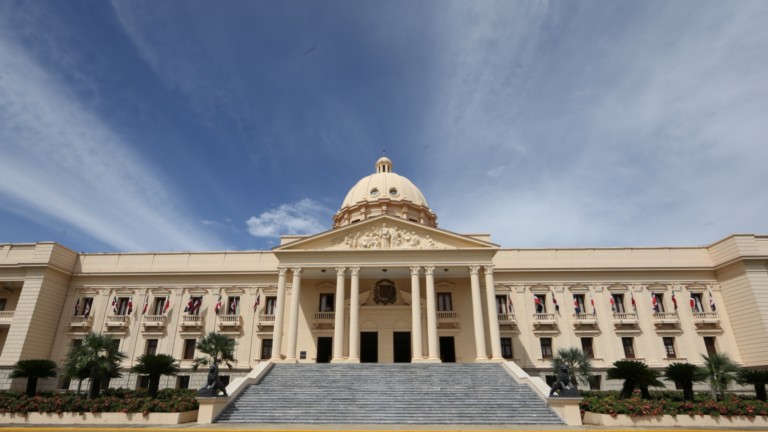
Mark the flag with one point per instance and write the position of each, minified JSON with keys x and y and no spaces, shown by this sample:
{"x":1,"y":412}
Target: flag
{"x":634,"y":305}
{"x":146,"y":305}
{"x":509,"y":302}
{"x":130,"y":305}
{"x":256,"y":303}
{"x":693,"y":303}
{"x":190,"y":305}
{"x":712,"y":302}
{"x":87,"y":308}
{"x":613,"y":304}
{"x":114,"y":305}
{"x":674,"y":301}
{"x":232,"y":306}
{"x":554,"y":302}
{"x":167,"y":305}
{"x":576,"y":305}
{"x":197,"y":304}
{"x":218,"y":305}
{"x":77,"y":307}
{"x":592,"y":302}
{"x":654,"y":303}
{"x":537,"y":304}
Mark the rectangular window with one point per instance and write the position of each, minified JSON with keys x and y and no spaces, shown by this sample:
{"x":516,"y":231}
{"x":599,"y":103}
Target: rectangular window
{"x":122,"y":305}
{"x":234,"y":347}
{"x":618,"y":303}
{"x":586,"y":347}
{"x":142,"y":382}
{"x":540,"y":301}
{"x":266,"y":349}
{"x":116,"y":344}
{"x":158,"y":306}
{"x":444,"y":303}
{"x":189,"y":349}
{"x":578,"y":303}
{"x":3,"y":302}
{"x":659,"y":307}
{"x":182,"y":382}
{"x":546,"y":348}
{"x":629,"y":347}
{"x":595,"y":382}
{"x":151,"y":347}
{"x":698,"y":302}
{"x":502,"y":305}
{"x":194,"y":305}
{"x":270,"y":305}
{"x":326,"y":303}
{"x":233,"y":305}
{"x":506,"y":348}
{"x":709,"y":343}
{"x":669,"y":347}
{"x":77,"y":343}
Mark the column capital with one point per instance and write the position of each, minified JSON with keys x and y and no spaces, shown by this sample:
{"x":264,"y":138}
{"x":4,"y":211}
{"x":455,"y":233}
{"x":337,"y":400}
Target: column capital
{"x":489,"y":268}
{"x":415,"y":270}
{"x":354,"y":271}
{"x":429,"y":270}
{"x":281,"y":271}
{"x":296,"y":271}
{"x":340,"y":271}
{"x":474,"y":269}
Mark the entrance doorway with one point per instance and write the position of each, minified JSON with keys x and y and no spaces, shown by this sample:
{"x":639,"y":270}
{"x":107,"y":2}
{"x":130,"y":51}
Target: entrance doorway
{"x":324,"y":349}
{"x":369,"y":347}
{"x":402,"y":347}
{"x":447,"y":349}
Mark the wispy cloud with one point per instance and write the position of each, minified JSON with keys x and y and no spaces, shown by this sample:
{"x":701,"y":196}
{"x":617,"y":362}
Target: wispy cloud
{"x":303,"y":217}
{"x":59,"y":159}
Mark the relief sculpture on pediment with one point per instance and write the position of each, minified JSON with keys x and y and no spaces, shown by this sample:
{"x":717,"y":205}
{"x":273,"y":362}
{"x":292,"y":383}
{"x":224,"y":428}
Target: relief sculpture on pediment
{"x":385,"y":237}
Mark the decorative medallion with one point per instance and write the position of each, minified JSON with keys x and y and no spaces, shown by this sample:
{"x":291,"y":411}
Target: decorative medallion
{"x":385,"y":292}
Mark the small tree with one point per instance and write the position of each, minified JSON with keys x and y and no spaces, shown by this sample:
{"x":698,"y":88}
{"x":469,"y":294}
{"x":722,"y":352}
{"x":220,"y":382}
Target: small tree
{"x":721,"y":371}
{"x":217,"y":348}
{"x":579,"y":365}
{"x":635,"y":375}
{"x":32,"y":370}
{"x":758,"y":378}
{"x":684,"y":375}
{"x":155,"y":365}
{"x":99,"y":357}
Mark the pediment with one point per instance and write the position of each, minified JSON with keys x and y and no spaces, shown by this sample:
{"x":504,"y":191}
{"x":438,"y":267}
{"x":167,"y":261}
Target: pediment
{"x":386,"y":233}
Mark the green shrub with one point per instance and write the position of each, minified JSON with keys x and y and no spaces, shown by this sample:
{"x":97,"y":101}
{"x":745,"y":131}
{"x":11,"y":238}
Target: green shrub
{"x":111,"y":400}
{"x":672,"y":403}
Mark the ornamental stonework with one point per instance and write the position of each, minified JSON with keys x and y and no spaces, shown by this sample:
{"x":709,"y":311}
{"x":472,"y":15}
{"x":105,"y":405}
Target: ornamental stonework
{"x":386,"y":237}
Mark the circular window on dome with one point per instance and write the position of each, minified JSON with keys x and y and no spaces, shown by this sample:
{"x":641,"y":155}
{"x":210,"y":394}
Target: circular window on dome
{"x":393,"y":192}
{"x":374,"y":192}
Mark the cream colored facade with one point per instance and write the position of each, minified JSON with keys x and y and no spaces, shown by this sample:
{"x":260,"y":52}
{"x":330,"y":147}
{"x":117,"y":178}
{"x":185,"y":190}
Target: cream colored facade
{"x":385,"y":284}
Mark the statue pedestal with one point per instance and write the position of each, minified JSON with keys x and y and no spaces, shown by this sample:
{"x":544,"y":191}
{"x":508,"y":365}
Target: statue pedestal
{"x":210,"y":408}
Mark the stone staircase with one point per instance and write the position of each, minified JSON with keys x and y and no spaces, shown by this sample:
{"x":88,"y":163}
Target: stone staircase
{"x":470,"y":394}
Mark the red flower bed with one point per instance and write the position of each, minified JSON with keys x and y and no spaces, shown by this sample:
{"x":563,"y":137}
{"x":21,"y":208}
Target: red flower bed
{"x":112,"y":400}
{"x":671,"y":403}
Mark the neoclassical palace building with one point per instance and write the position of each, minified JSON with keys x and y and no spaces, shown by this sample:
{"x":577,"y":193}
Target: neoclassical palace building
{"x":385,"y":284}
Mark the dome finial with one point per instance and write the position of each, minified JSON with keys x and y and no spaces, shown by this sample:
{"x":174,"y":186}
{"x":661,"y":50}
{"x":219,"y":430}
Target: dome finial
{"x":383,"y":165}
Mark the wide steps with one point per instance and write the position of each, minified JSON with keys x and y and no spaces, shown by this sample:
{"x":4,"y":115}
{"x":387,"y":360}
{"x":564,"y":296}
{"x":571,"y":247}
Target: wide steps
{"x":389,"y":394}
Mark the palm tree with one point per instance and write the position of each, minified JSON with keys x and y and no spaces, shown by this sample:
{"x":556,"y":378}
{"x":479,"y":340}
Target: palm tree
{"x":99,"y":357}
{"x":721,"y":371}
{"x":217,"y":348}
{"x":758,"y":378}
{"x":32,"y":370}
{"x":155,"y":365}
{"x":635,"y":374}
{"x":579,"y":365}
{"x":684,"y":375}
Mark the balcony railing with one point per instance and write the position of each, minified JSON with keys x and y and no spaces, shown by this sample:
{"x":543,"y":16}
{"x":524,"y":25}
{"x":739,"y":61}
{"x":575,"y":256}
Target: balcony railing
{"x":118,"y":321}
{"x":229,"y":320}
{"x":325,"y":316}
{"x":266,"y":320}
{"x":661,"y":318}
{"x":543,"y":319}
{"x":624,"y":318}
{"x":507,"y":318}
{"x":703,"y":318}
{"x":584,"y":319}
{"x":191,"y":320}
{"x":6,"y":315}
{"x":81,"y":321}
{"x":447,"y":316}
{"x":154,"y":320}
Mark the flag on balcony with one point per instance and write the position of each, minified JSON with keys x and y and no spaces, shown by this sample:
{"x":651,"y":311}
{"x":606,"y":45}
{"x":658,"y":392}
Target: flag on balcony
{"x":130,"y":305}
{"x":674,"y":300}
{"x":114,"y":305}
{"x":712,"y":302}
{"x":197,"y":304}
{"x":693,"y":303}
{"x":233,"y":306}
{"x":77,"y":307}
{"x":190,"y":305}
{"x":87,"y":308}
{"x":554,"y":302}
{"x":256,"y":302}
{"x":537,"y":304}
{"x":654,"y":303}
{"x":509,"y":303}
{"x":576,"y":305}
{"x":167,"y":305}
{"x":146,"y":305}
{"x":592,"y":302}
{"x":613,"y":303}
{"x":218,"y":306}
{"x":634,"y":305}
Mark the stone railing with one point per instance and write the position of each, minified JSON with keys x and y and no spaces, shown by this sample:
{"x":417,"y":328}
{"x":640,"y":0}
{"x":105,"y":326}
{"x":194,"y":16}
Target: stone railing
{"x":81,"y":321}
{"x":624,"y":318}
{"x":6,"y":314}
{"x":191,"y":320}
{"x":229,"y":320}
{"x":544,"y":318}
{"x":584,"y":319}
{"x":118,"y":320}
{"x":153,"y":320}
{"x":702,"y":318}
{"x":325,"y":316}
{"x":447,"y":315}
{"x":507,"y":318}
{"x":661,"y":318}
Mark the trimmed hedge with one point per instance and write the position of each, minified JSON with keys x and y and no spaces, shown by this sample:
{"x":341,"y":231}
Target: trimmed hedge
{"x":672,"y":403}
{"x":111,"y":400}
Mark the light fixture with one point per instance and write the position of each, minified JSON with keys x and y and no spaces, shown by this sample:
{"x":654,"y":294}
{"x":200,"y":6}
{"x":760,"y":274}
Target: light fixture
{"x":445,"y":270}
{"x":322,"y":270}
{"x":384,"y":270}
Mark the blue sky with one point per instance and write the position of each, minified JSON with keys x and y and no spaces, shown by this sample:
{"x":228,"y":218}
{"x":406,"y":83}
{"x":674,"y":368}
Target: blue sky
{"x":164,"y":126}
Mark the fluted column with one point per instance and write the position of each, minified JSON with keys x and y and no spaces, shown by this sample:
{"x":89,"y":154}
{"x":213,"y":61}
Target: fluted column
{"x":293,"y":324}
{"x":493,"y":316}
{"x":277,"y":333}
{"x":338,"y":325}
{"x":477,"y":313}
{"x":431,"y":314}
{"x":415,"y":313}
{"x":354,"y":315}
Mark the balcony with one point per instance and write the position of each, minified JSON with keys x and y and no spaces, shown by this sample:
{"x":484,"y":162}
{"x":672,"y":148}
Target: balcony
{"x":324,"y":319}
{"x":6,"y":317}
{"x":153,"y":321}
{"x":584,"y":320}
{"x":229,"y":321}
{"x":665,"y":319}
{"x":266,"y":320}
{"x":625,"y":320}
{"x":507,"y":319}
{"x":118,"y":322}
{"x":81,"y":322}
{"x":447,"y":319}
{"x":704,"y":320}
{"x":191,"y":321}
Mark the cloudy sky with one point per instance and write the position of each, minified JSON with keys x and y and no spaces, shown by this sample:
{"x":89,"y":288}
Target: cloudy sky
{"x":163,"y":126}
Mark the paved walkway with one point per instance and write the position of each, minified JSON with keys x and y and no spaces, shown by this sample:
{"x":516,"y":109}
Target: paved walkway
{"x":347,"y":428}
